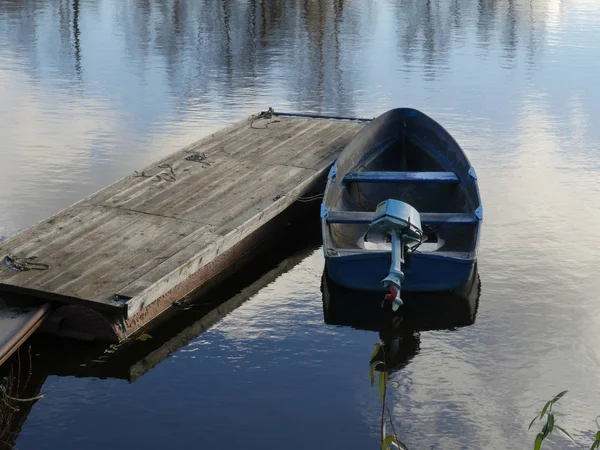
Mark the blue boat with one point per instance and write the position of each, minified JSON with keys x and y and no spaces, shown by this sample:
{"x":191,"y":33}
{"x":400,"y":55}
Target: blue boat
{"x":401,"y":210}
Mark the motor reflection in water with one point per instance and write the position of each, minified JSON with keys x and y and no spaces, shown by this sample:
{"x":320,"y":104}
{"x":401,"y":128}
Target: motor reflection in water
{"x":400,"y":331}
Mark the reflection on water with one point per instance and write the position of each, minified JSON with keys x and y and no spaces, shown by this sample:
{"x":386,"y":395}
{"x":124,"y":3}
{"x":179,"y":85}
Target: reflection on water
{"x":92,"y":90}
{"x":399,"y":331}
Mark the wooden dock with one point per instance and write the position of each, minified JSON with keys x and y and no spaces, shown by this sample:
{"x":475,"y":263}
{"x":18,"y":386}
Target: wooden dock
{"x":115,"y":260}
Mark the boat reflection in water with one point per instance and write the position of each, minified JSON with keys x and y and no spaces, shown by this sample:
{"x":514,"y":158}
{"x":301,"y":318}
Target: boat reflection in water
{"x":399,"y":331}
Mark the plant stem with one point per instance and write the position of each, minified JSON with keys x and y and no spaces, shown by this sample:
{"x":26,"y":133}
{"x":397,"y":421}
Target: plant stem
{"x":384,"y":395}
{"x":392,"y":423}
{"x":383,"y":417}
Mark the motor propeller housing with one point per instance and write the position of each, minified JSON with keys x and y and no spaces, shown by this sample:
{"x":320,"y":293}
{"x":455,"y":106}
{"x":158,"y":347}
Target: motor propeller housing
{"x":401,"y":223}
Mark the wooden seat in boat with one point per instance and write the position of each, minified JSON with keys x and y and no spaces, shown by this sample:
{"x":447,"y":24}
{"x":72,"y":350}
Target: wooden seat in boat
{"x":401,"y":177}
{"x":358,"y":217}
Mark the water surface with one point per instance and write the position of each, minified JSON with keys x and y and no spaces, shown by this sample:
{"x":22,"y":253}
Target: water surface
{"x":92,"y":90}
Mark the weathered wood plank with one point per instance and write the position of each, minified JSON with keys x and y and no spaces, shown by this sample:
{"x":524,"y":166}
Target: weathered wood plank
{"x":16,"y":325}
{"x":145,"y":188}
{"x":195,"y":185}
{"x":325,"y":155}
{"x":281,"y":140}
{"x":155,"y":288}
{"x":194,"y":255}
{"x":57,"y":248}
{"x":61,"y":255}
{"x":138,"y":241}
{"x":139,"y":265}
{"x":229,"y":132}
{"x":284,"y":153}
{"x":254,"y":190}
{"x":63,"y":226}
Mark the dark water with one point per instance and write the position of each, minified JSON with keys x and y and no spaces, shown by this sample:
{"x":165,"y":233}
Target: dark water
{"x":92,"y":90}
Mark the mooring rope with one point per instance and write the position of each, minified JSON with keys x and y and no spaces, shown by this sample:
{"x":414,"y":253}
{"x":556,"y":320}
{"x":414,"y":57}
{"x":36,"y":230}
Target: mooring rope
{"x":270,"y":113}
{"x":167,"y":177}
{"x":310,"y":198}
{"x":24,"y":264}
{"x":199,"y":158}
{"x":160,"y":176}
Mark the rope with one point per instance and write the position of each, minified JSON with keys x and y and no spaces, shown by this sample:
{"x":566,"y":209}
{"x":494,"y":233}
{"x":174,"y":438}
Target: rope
{"x":310,"y":198}
{"x":167,"y":177}
{"x":158,"y":177}
{"x":270,"y":113}
{"x":199,"y":158}
{"x":24,"y":264}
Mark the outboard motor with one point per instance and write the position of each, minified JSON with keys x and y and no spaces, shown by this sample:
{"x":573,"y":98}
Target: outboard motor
{"x":401,"y":223}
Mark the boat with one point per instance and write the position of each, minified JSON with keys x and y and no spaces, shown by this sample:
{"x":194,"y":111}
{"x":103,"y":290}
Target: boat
{"x":401,"y":210}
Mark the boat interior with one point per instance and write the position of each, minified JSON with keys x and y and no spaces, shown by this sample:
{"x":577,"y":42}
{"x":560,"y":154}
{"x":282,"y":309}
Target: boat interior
{"x":402,"y":169}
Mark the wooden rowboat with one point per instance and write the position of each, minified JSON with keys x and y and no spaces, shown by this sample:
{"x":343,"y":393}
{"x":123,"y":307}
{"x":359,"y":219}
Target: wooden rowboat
{"x":401,"y":210}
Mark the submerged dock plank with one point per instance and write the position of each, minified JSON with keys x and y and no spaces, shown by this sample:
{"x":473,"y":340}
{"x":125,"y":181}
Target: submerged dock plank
{"x":123,"y":247}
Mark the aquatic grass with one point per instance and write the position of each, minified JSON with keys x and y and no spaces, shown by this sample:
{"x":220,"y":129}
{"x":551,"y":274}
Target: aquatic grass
{"x":388,"y":441}
{"x":550,"y":425}
{"x":391,"y":441}
{"x":12,"y":387}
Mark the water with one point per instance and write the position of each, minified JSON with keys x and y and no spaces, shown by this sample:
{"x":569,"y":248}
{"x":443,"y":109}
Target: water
{"x":92,"y":90}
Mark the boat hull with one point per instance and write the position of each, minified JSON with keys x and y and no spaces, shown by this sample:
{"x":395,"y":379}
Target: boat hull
{"x":422,"y":272}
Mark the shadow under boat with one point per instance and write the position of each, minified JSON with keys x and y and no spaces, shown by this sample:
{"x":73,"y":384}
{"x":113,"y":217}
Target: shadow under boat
{"x":399,"y":331}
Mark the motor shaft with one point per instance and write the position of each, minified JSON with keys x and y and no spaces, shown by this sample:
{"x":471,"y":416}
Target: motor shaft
{"x":395,"y":277}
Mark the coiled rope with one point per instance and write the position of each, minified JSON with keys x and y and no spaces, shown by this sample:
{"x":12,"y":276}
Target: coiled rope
{"x":24,"y":264}
{"x":268,"y":114}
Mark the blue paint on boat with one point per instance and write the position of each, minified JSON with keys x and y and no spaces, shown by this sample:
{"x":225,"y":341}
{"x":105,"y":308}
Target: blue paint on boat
{"x":472,"y":173}
{"x":479,"y":212}
{"x":324,"y":210}
{"x":422,"y":272}
{"x":332,"y":172}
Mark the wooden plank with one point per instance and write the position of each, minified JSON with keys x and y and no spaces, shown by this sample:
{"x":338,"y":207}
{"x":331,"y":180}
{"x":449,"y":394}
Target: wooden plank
{"x":146,"y":187}
{"x":141,"y":264}
{"x":277,"y":149}
{"x":180,"y":272}
{"x":60,"y":254}
{"x":326,"y":155}
{"x":401,"y":177}
{"x":198,"y":185}
{"x":58,"y":228}
{"x":16,"y":325}
{"x":199,"y":251}
{"x":252,"y":135}
{"x":319,"y":144}
{"x":59,"y":248}
{"x":145,"y":238}
{"x":254,"y":191}
{"x":230,"y":132}
{"x":448,"y":218}
{"x":103,"y":254}
{"x":350,"y":217}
